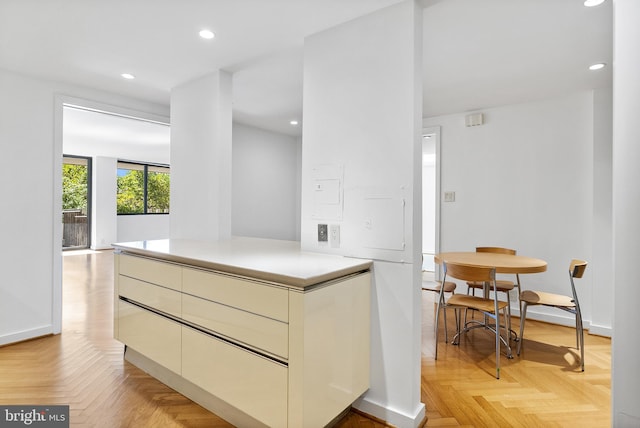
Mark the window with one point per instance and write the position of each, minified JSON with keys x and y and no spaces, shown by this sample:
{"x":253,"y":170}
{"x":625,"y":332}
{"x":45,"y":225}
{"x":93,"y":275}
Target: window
{"x":76,"y":198}
{"x":143,"y":188}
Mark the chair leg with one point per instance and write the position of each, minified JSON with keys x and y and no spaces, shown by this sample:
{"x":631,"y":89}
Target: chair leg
{"x":498,"y":344}
{"x":458,"y":312}
{"x":508,"y":343}
{"x":580,"y":331}
{"x":508,"y":318}
{"x":473,"y":293}
{"x":446,"y":334}
{"x":436,"y":328}
{"x":523,"y":317}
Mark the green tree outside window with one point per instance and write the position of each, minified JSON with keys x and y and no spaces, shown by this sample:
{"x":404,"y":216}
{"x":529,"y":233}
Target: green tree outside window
{"x":139,"y":181}
{"x":74,"y":187}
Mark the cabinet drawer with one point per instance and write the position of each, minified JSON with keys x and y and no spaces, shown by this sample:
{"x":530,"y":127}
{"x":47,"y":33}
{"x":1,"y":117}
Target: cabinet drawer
{"x":152,"y":335}
{"x":160,"y":273}
{"x":160,"y":298}
{"x":254,"y":330}
{"x":261,"y":299}
{"x":253,"y":384}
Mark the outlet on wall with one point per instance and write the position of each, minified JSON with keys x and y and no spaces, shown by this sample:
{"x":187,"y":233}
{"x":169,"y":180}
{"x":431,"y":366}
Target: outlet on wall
{"x":334,"y":232}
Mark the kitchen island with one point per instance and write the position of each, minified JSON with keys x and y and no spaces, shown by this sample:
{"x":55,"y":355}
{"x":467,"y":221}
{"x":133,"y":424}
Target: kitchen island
{"x":255,"y":330}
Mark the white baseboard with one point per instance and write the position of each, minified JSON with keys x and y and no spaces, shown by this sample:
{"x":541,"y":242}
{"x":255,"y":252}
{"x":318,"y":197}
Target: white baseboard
{"x":101,"y":247}
{"x":26,"y":335}
{"x":599,"y":330}
{"x":564,"y":320}
{"x":392,"y":417}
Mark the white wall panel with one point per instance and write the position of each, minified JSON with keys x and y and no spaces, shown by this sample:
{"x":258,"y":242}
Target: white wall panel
{"x":362,"y":106}
{"x":625,"y":376}
{"x":265,"y":178}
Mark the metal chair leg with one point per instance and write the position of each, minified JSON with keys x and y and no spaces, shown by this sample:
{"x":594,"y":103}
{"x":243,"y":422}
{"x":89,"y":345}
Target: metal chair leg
{"x":523,"y":317}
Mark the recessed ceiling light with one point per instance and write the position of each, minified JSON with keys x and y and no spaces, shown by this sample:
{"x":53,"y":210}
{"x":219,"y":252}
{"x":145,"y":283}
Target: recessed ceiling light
{"x":206,"y":34}
{"x":294,"y":122}
{"x":597,"y":66}
{"x":128,"y":76}
{"x":591,"y":3}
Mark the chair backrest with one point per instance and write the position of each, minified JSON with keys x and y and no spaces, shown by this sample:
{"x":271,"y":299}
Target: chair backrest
{"x":577,"y":268}
{"x":466,"y":272}
{"x":498,"y":250}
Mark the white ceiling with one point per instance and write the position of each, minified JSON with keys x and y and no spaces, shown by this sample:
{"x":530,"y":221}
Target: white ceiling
{"x":480,"y":54}
{"x":477,"y":54}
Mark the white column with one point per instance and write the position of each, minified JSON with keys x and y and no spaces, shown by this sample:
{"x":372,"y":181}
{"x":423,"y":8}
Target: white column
{"x":104,"y":218}
{"x":201,"y":158}
{"x":601,"y":264}
{"x":625,"y":373}
{"x":362,"y":126}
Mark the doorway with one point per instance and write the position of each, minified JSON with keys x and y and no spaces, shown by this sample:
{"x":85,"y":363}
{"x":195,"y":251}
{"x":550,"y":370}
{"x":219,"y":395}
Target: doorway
{"x":430,"y":197}
{"x":76,"y":206}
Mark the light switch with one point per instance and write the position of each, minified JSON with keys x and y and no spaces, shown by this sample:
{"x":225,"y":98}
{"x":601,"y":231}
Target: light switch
{"x":449,"y":196}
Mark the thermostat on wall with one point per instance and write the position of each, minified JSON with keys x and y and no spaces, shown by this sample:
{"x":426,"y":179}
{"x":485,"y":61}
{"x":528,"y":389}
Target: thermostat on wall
{"x":474,"y":119}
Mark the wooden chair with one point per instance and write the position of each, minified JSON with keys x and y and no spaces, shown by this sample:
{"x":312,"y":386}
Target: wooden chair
{"x":566,"y":303}
{"x":436,"y":287}
{"x":489,"y":307}
{"x":502,"y":285}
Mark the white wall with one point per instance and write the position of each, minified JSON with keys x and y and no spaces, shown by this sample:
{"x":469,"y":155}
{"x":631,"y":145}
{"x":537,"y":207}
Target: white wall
{"x":143,"y":227}
{"x":31,"y":134}
{"x":265,"y":177}
{"x":602,"y":257}
{"x":201,"y":141}
{"x":362,"y":115}
{"x":524,"y":180}
{"x":104,"y":228}
{"x":625,"y":376}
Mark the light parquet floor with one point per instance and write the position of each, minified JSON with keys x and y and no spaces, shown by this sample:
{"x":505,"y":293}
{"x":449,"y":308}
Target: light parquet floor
{"x":84,"y":367}
{"x":543,"y":387}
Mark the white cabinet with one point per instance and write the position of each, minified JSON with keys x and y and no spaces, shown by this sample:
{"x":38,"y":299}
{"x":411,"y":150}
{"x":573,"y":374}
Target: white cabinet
{"x":152,"y":271}
{"x":243,"y":293}
{"x":255,"y":331}
{"x":163,"y":299}
{"x":250,"y":382}
{"x":152,"y":335}
{"x":283,"y":355}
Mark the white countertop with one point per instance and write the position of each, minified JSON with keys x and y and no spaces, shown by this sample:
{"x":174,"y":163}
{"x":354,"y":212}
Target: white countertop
{"x":266,"y":259}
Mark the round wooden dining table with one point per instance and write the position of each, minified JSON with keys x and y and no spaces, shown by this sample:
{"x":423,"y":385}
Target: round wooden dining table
{"x":504,"y":263}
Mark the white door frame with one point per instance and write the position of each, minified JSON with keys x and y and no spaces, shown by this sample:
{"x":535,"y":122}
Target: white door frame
{"x":435,"y":130}
{"x":60,"y":102}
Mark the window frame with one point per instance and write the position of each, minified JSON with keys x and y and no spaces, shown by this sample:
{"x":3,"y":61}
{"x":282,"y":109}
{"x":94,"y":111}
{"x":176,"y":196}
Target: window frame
{"x":144,"y":167}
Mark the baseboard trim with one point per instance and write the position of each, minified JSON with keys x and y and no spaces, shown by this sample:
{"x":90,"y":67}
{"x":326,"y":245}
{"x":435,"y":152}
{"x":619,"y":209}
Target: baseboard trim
{"x":567,"y":322}
{"x":22,"y":336}
{"x":390,"y":417}
{"x":599,"y":330}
